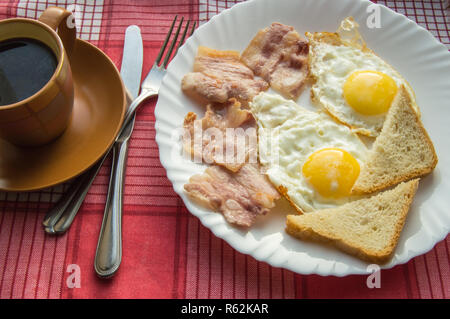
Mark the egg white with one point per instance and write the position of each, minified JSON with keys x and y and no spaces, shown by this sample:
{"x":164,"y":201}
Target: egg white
{"x":287,"y":135}
{"x":331,"y":64}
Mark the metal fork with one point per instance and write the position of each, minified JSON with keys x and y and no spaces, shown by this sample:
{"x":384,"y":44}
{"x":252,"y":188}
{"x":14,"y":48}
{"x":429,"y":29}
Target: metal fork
{"x":109,"y":247}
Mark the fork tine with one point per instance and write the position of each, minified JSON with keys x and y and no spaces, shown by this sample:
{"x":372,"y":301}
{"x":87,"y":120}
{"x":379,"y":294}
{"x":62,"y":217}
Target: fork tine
{"x":182,"y":37}
{"x":163,"y":47}
{"x":174,"y":40}
{"x":193,"y":28}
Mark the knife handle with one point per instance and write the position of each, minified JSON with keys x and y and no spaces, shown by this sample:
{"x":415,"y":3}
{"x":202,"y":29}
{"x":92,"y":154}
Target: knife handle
{"x":109,"y":248}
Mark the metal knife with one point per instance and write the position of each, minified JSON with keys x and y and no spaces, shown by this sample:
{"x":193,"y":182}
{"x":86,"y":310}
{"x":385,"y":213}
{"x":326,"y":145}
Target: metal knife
{"x":109,"y":248}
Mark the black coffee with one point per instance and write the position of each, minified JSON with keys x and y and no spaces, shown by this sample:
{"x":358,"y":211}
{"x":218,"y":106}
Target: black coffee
{"x":26,"y":65}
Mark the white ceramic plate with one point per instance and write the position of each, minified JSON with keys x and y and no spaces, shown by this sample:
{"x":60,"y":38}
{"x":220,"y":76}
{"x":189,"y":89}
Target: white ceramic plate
{"x":412,"y":50}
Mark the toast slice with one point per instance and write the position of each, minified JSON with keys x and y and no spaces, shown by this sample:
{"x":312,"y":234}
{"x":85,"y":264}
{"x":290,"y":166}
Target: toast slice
{"x":402,"y":151}
{"x":368,"y":228}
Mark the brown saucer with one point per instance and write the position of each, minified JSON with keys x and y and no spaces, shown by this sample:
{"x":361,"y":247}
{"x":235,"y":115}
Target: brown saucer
{"x":98,"y":112}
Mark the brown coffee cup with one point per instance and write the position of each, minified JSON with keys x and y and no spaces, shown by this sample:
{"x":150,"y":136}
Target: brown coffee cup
{"x":43,"y":116}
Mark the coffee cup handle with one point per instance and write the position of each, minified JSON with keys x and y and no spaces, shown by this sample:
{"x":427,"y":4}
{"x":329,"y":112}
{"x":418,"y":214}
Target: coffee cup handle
{"x":62,"y":21}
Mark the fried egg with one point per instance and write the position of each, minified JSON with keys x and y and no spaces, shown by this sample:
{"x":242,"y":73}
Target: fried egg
{"x":351,"y":82}
{"x":310,"y":158}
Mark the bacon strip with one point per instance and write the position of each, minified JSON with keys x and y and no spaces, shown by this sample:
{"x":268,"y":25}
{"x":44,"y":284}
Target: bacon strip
{"x":219,"y":76}
{"x":241,"y":197}
{"x":234,"y":186}
{"x":280,"y":56}
{"x":228,"y":136}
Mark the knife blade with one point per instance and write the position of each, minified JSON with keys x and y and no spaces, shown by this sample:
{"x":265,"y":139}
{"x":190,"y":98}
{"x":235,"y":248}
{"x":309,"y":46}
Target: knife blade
{"x":133,"y":53}
{"x":109,"y":247}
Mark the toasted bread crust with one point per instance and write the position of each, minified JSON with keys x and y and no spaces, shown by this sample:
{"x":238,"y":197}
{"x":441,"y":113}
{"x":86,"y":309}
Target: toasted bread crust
{"x":283,"y":191}
{"x":304,"y":232}
{"x":366,"y":186}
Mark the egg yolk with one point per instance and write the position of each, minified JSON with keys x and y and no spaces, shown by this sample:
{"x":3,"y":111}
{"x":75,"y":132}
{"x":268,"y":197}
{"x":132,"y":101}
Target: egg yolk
{"x":332,"y":172}
{"x":369,"y":92}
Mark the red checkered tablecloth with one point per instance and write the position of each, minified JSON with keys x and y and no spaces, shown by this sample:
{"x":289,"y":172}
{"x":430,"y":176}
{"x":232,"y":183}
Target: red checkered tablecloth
{"x":167,"y":253}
